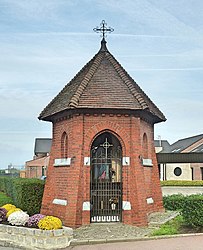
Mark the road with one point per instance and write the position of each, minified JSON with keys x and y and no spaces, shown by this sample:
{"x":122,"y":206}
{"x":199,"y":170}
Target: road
{"x":179,"y":243}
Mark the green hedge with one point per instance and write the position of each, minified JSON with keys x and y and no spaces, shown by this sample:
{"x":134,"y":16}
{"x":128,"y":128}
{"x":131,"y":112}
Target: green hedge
{"x":26,"y":193}
{"x":174,"y":202}
{"x":4,"y":199}
{"x":192,"y":210}
{"x":181,"y":183}
{"x":191,"y":207}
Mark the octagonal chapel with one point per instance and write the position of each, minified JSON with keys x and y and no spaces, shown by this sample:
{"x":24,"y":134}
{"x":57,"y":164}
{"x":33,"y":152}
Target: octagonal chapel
{"x":103,"y":166}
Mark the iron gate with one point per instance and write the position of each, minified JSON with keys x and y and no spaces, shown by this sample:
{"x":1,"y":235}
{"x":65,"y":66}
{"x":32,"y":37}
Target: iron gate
{"x":106,"y":176}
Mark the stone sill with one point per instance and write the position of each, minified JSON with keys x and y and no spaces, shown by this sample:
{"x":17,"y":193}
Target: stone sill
{"x":32,"y":238}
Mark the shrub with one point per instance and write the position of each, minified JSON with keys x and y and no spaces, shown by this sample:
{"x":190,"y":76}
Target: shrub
{"x":34,"y":220}
{"x":192,"y":210}
{"x":3,"y":181}
{"x":18,"y":218}
{"x":12,"y":211}
{"x":181,"y":183}
{"x":174,"y":202}
{"x":28,"y":194}
{"x":4,"y":199}
{"x":50,"y":223}
{"x":3,"y":213}
{"x":170,"y":227}
{"x":8,"y":207}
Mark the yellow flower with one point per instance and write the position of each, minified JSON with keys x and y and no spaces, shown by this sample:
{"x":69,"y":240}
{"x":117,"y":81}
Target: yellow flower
{"x":12,"y":211}
{"x":50,"y":223}
{"x":8,"y":207}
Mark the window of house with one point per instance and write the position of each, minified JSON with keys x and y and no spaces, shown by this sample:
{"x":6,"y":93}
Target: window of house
{"x":145,"y":146}
{"x":192,"y":172}
{"x":64,"y":145}
{"x":43,"y":170}
{"x":201,"y":173}
{"x":177,"y":171}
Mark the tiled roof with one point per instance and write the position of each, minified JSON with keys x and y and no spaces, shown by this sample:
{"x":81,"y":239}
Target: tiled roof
{"x":164,"y":144}
{"x":102,"y":83}
{"x":183,"y":144}
{"x":42,"y":145}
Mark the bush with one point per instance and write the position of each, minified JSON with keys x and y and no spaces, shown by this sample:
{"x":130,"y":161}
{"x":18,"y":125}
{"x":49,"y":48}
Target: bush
{"x":34,"y":220}
{"x":18,"y":218}
{"x":28,"y":194}
{"x":3,"y":184}
{"x":181,"y":183}
{"x":6,"y":185}
{"x":3,"y":213}
{"x":50,"y":223}
{"x":192,"y":210}
{"x":12,"y":211}
{"x":9,"y":207}
{"x":25,"y":193}
{"x":174,"y":202}
{"x":170,"y":227}
{"x":4,"y":199}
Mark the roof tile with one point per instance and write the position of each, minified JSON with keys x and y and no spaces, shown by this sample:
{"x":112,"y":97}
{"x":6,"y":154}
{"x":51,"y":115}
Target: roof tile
{"x":101,"y":83}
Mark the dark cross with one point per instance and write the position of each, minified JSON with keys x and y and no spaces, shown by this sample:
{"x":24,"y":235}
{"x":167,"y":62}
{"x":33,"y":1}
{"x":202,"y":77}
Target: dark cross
{"x":106,"y":145}
{"x":103,"y":28}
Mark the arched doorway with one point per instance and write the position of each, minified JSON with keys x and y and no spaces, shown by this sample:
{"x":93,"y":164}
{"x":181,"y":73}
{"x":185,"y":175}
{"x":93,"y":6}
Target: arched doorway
{"x":106,"y":179}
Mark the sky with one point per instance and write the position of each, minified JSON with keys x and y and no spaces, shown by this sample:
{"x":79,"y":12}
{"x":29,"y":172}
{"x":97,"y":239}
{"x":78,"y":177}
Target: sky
{"x":43,"y":44}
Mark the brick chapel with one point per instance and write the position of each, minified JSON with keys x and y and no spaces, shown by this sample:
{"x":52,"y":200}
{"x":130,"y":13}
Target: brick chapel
{"x":103,"y":166}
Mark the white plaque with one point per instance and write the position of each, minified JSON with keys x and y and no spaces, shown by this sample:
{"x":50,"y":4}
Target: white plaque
{"x":87,"y":161}
{"x":86,"y":206}
{"x":60,"y":202}
{"x":126,"y":205}
{"x":150,"y":200}
{"x":62,"y":162}
{"x":147,"y":162}
{"x":126,"y":161}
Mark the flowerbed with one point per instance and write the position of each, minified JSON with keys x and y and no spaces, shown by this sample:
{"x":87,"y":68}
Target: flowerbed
{"x":38,"y":231}
{"x":16,"y":217}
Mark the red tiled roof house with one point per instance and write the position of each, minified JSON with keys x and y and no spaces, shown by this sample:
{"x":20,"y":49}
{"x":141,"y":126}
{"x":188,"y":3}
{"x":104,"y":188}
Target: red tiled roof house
{"x":103,"y":165}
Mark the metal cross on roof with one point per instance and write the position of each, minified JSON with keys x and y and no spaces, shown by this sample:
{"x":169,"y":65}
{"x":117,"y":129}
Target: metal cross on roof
{"x":103,"y":28}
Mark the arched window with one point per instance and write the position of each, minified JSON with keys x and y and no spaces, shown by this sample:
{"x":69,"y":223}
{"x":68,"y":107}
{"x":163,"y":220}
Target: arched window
{"x":145,"y":146}
{"x":64,"y":145}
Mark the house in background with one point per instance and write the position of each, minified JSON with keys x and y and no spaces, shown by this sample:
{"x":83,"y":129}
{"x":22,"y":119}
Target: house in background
{"x":183,"y":160}
{"x":37,"y":167}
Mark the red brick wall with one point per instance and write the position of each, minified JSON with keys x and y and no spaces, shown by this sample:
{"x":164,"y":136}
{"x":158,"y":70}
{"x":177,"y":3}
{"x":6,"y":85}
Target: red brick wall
{"x":197,"y":173}
{"x":73,"y":183}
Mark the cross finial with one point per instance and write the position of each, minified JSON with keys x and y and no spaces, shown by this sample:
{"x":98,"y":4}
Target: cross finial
{"x":103,"y":28}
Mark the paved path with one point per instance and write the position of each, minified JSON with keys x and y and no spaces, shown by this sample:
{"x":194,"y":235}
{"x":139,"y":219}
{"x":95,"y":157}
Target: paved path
{"x":178,"y":243}
{"x":108,"y":231}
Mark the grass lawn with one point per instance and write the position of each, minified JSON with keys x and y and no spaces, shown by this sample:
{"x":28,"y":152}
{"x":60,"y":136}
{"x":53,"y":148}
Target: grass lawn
{"x":4,"y":199}
{"x":176,"y":226}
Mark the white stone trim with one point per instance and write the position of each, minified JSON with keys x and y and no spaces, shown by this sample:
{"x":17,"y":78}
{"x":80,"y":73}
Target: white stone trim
{"x":147,"y":162}
{"x":150,"y":200}
{"x":60,"y":202}
{"x":87,"y":161}
{"x":62,"y":162}
{"x":126,"y":205}
{"x":86,"y":206}
{"x":126,"y":161}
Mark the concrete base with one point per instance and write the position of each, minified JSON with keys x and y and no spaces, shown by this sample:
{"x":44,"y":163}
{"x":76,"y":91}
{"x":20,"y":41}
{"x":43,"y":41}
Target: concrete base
{"x":30,"y":238}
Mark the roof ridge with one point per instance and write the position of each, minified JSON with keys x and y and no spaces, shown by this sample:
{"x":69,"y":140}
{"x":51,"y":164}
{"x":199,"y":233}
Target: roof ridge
{"x":188,"y":138}
{"x":75,"y":98}
{"x":122,"y":73}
